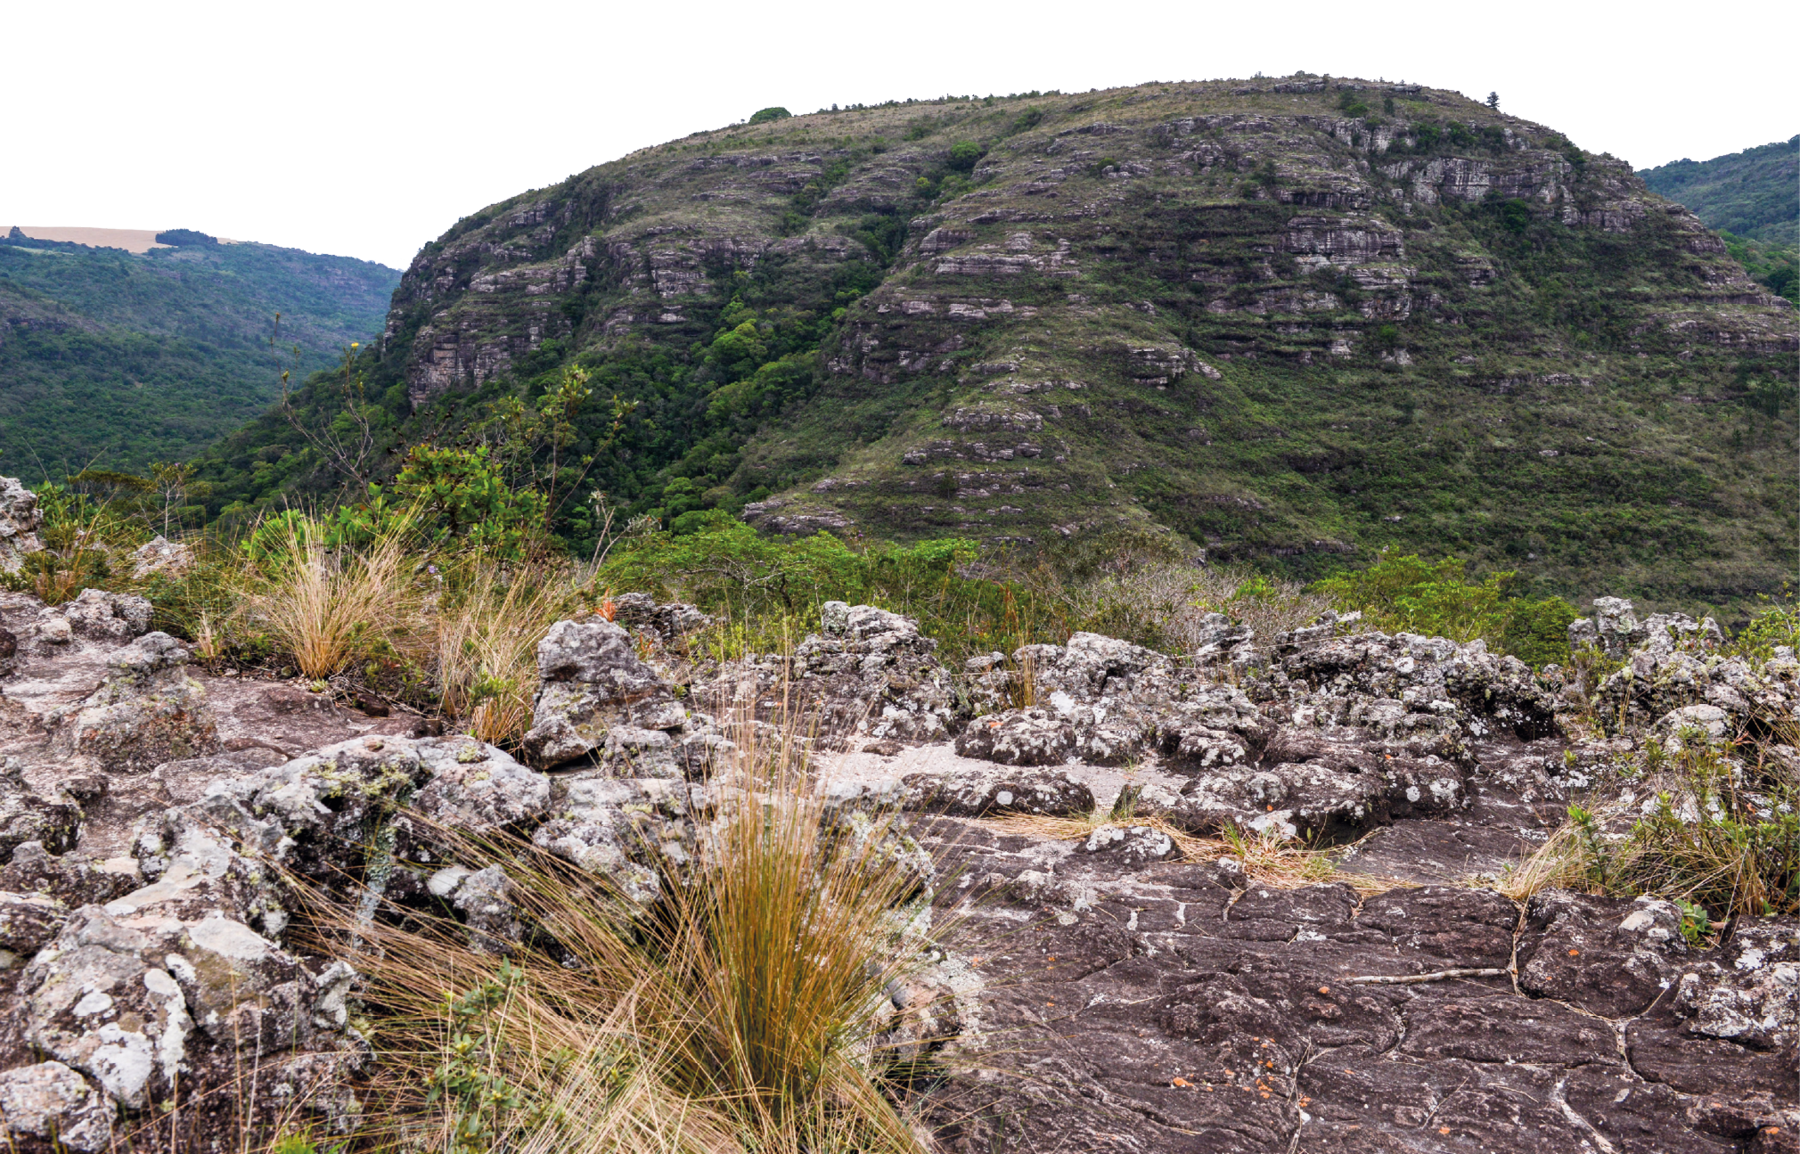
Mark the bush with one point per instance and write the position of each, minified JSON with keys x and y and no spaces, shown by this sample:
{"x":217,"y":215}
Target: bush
{"x":1717,"y":839}
{"x":1433,"y":597}
{"x":964,"y":154}
{"x":764,"y":115}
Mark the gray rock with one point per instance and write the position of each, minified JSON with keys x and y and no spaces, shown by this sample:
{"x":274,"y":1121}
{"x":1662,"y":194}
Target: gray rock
{"x":147,"y":712}
{"x":102,"y":616}
{"x":973,"y":793}
{"x":160,"y":555}
{"x":50,"y":1101}
{"x":19,"y":521}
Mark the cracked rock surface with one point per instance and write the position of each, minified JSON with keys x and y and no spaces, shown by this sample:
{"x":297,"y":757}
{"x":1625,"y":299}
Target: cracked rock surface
{"x":1100,"y":992}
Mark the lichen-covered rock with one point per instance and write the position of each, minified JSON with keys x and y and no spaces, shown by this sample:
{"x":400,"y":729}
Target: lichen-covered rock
{"x":19,"y":521}
{"x":55,"y":1105}
{"x":611,"y":826}
{"x":868,"y":677}
{"x":1314,"y":787}
{"x":26,"y":816}
{"x":1750,"y":992}
{"x":601,"y":702}
{"x":1019,"y":737}
{"x":333,"y":815}
{"x":27,"y":921}
{"x":975,"y":792}
{"x":147,"y":712}
{"x":666,"y":622}
{"x":144,"y":1003}
{"x":159,"y":555}
{"x":1611,"y":956}
{"x":872,"y":674}
{"x":101,"y":616}
{"x":66,"y":878}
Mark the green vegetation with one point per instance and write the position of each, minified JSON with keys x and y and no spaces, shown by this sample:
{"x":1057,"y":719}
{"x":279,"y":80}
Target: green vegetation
{"x":1435,"y":599}
{"x":1773,"y":266}
{"x":1749,"y":193}
{"x":113,"y":359}
{"x":1038,"y":321}
{"x":1719,"y":840}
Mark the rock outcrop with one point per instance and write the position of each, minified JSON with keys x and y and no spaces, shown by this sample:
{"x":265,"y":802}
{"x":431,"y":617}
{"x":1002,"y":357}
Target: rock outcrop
{"x":1106,"y":991}
{"x":19,"y":521}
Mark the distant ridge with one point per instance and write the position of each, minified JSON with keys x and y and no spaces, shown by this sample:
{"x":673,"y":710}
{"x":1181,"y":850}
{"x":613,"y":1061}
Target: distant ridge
{"x":134,"y":240}
{"x":1754,"y":193}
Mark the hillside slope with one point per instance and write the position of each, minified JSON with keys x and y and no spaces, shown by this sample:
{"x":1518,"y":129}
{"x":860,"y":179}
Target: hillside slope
{"x":1752,"y":193}
{"x":119,"y":358}
{"x":1293,"y":321}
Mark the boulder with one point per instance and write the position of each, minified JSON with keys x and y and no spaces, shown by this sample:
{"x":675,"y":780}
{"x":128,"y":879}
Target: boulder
{"x":147,"y":712}
{"x":600,"y":702}
{"x":50,"y":1102}
{"x":19,"y":521}
{"x":101,"y":616}
{"x":159,"y":555}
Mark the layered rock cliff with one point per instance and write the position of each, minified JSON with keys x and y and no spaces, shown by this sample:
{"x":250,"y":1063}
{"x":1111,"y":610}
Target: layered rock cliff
{"x":1287,"y":320}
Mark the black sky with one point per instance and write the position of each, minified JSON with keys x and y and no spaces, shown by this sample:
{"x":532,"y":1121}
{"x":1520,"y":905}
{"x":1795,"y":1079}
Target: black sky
{"x":377,"y":170}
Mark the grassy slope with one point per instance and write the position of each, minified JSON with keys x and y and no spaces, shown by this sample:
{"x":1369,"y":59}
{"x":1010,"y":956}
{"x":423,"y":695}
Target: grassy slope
{"x":1568,"y":384}
{"x":156,"y":356}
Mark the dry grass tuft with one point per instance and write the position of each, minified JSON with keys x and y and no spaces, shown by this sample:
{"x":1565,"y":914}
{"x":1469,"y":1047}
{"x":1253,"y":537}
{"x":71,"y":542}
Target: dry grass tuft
{"x":330,"y":609}
{"x":481,"y":639}
{"x":1268,"y":859}
{"x":736,"y":1013}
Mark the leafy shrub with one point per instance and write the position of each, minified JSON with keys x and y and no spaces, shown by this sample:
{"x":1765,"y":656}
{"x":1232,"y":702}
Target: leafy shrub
{"x":1028,"y":120}
{"x":1417,"y":596}
{"x":768,"y":590}
{"x":1777,"y":623}
{"x":764,"y":115}
{"x":1719,"y":839}
{"x":964,"y":154}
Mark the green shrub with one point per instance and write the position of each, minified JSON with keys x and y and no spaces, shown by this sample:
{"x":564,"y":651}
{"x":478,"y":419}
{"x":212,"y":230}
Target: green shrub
{"x":1777,"y":623}
{"x":1433,"y":597}
{"x":764,"y":115}
{"x":766,"y":587}
{"x":964,"y":154}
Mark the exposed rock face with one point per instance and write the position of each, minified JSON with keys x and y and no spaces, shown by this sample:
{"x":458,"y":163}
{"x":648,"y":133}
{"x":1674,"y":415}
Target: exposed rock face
{"x":19,"y":521}
{"x":1099,"y":992}
{"x":148,"y":712}
{"x":600,"y":702}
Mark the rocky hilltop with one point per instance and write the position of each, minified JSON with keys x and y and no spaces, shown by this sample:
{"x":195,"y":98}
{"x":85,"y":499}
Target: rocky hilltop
{"x":1290,"y":320}
{"x":1116,"y":980}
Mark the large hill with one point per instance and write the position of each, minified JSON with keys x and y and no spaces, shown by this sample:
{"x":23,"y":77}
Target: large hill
{"x":1754,"y":193}
{"x":118,"y":358}
{"x":1294,"y":321}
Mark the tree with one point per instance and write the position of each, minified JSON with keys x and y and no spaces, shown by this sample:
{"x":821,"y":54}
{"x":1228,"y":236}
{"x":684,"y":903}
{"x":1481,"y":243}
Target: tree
{"x":1493,"y":101}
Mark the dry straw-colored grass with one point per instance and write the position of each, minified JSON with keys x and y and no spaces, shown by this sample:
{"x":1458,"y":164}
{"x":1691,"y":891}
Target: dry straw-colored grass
{"x":329,"y":609}
{"x":1268,"y":859}
{"x":480,"y":640}
{"x":736,"y":1014}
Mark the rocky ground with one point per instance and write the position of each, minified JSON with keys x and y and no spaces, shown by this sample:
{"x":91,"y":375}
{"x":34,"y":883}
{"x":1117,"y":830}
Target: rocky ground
{"x":1105,"y":992}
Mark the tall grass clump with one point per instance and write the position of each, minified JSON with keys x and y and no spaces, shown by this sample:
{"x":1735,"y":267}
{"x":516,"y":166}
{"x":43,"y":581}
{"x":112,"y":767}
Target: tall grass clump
{"x":738,"y":1011}
{"x":1720,"y":836}
{"x":328,"y":608}
{"x":481,"y":627}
